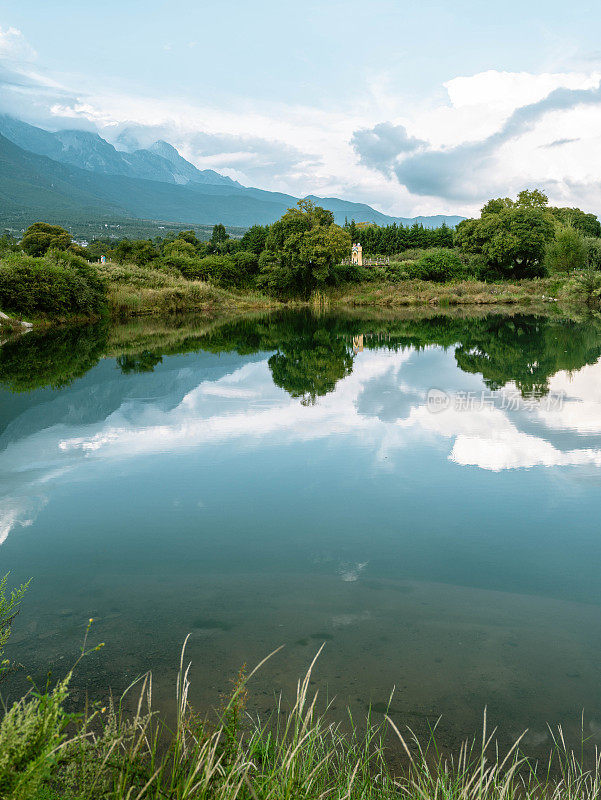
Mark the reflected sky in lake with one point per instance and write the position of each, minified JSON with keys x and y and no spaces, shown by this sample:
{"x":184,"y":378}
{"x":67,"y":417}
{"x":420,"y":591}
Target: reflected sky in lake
{"x":290,"y":482}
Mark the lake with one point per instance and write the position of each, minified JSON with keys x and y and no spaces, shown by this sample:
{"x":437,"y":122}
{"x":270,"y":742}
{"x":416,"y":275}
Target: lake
{"x":420,"y":493}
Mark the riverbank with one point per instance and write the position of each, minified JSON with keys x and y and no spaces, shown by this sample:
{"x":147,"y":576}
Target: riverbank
{"x":540,"y":292}
{"x":299,"y":753}
{"x":142,"y":292}
{"x":137,"y":291}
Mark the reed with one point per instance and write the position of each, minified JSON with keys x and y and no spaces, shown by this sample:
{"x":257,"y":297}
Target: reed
{"x":105,"y":753}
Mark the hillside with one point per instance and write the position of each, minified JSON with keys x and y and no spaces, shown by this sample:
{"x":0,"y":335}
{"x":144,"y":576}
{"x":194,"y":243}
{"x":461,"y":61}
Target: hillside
{"x":72,"y":176}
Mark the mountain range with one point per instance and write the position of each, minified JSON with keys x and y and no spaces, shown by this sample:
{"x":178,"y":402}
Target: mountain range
{"x":73,"y":174}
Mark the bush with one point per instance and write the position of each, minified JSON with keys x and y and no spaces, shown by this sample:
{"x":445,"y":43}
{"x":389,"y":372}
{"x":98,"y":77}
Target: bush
{"x":585,"y":287}
{"x":439,"y":266}
{"x":59,"y":283}
{"x":204,"y":269}
{"x":593,"y":252}
{"x":567,"y":252}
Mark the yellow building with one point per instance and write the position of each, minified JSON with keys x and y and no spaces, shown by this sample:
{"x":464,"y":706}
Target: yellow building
{"x":357,"y":255}
{"x":358,"y":343}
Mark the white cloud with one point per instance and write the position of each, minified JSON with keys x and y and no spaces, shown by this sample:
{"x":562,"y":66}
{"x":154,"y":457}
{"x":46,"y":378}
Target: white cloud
{"x":20,"y":511}
{"x":14,"y":46}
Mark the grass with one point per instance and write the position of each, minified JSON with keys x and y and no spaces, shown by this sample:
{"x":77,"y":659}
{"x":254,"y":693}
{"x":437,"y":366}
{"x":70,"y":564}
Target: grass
{"x":138,"y":291}
{"x":299,"y":754}
{"x":537,"y":292}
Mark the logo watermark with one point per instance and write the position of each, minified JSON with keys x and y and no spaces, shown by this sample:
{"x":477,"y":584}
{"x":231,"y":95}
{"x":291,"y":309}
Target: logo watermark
{"x":438,"y":401}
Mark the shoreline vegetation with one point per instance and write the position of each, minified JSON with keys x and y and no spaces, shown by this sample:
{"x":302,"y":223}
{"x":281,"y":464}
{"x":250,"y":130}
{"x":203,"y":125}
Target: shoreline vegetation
{"x":123,"y":748}
{"x":518,"y":252}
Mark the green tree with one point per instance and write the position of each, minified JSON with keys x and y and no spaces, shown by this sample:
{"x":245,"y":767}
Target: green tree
{"x":593,"y":252}
{"x":567,"y":252}
{"x":512,"y":236}
{"x":255,"y":238}
{"x":41,"y":237}
{"x":302,"y":249}
{"x":219,"y":238}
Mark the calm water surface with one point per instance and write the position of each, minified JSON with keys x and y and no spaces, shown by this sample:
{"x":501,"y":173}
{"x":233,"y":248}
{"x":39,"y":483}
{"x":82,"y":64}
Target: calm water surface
{"x":423,"y":495}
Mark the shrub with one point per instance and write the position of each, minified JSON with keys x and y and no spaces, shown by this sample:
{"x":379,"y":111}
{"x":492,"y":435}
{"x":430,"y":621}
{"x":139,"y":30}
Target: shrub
{"x":585,"y":287}
{"x":59,"y":283}
{"x":593,"y":252}
{"x":439,"y":266}
{"x":204,"y":269}
{"x":247,"y":264}
{"x":567,"y":252}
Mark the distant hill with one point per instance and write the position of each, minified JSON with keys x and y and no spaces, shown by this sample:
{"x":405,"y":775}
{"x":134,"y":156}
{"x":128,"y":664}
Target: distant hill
{"x":76,"y":175}
{"x":89,"y":151}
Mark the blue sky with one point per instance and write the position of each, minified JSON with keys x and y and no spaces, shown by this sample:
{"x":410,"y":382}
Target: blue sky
{"x":323,"y":97}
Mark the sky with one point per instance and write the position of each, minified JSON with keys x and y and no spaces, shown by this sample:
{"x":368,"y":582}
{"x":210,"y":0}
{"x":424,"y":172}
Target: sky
{"x":413,"y":107}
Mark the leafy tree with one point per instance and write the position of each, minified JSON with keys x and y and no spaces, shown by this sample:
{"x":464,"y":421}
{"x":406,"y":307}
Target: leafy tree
{"x":511,"y":236}
{"x":140,"y":252}
{"x":190,"y":237}
{"x":41,"y":237}
{"x":302,"y":250}
{"x":219,"y":238}
{"x":567,"y":252}
{"x":593,"y":252}
{"x":180,"y":254}
{"x":247,"y":265}
{"x":254,"y":239}
{"x":59,"y":283}
{"x":587,"y":224}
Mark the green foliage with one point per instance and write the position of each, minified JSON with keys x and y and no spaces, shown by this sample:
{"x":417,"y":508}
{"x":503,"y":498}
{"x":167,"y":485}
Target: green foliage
{"x":511,"y":236}
{"x":54,"y":358}
{"x":255,"y":239}
{"x":302,"y":251}
{"x":9,"y":608}
{"x":31,"y":735}
{"x":41,"y":237}
{"x":60,"y":283}
{"x":567,"y":252}
{"x":139,"y":253}
{"x":392,"y":239}
{"x":593,"y":252}
{"x":439,"y":266}
{"x":585,"y":287}
{"x":219,"y":239}
{"x":587,"y":224}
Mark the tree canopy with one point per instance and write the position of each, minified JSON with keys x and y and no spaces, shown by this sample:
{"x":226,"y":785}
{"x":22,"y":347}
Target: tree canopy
{"x":41,"y":237}
{"x":302,"y":249}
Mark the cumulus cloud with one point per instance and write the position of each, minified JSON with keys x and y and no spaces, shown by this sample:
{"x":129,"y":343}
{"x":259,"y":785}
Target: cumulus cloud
{"x":379,"y":146}
{"x":14,"y":46}
{"x":482,"y":142}
{"x":458,"y":172}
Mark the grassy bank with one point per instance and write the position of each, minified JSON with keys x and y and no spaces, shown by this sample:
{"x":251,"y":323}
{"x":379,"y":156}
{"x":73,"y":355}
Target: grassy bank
{"x":537,"y":292}
{"x":136,"y":291}
{"x":102,"y":753}
{"x":63,"y":288}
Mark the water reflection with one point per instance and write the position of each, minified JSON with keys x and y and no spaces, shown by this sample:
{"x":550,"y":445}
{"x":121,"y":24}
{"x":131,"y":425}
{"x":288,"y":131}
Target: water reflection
{"x":284,"y":479}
